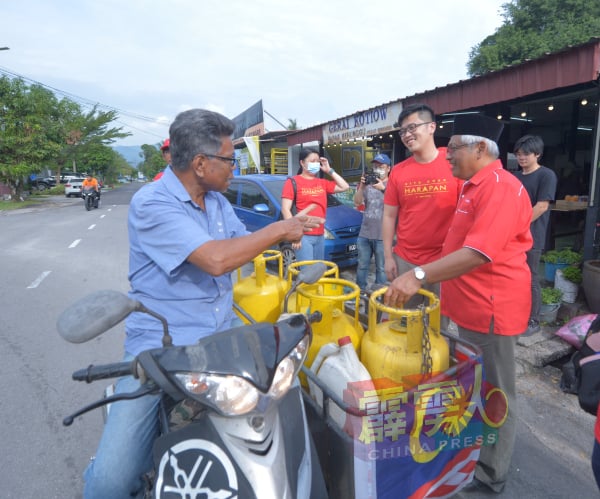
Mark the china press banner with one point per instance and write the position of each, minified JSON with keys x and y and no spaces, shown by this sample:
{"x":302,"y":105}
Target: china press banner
{"x":421,"y":438}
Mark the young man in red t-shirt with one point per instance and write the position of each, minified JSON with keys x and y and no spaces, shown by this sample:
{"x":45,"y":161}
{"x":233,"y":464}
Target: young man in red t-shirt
{"x":420,"y":197}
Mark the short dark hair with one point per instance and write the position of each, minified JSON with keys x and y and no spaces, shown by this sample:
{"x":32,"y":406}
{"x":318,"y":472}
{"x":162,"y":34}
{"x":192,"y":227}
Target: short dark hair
{"x":424,"y":111}
{"x":196,"y":131}
{"x":529,"y":144}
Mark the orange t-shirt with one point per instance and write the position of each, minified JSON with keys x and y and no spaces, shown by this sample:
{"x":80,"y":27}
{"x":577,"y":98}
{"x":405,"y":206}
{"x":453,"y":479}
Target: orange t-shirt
{"x":425,"y":195}
{"x":89,"y":184}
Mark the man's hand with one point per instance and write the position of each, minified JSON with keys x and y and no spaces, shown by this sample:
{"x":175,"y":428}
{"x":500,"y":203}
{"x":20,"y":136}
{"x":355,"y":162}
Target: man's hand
{"x":296,"y":226}
{"x":391,"y":270}
{"x":401,"y":290}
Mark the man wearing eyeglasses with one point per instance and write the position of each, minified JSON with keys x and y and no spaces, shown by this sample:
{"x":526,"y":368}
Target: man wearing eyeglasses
{"x":185,"y":241}
{"x":486,"y":282}
{"x":420,"y":198}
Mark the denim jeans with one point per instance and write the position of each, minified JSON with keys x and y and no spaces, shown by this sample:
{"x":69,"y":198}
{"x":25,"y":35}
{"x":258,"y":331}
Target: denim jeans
{"x":125,"y":450}
{"x":366,"y":249}
{"x":313,"y":248}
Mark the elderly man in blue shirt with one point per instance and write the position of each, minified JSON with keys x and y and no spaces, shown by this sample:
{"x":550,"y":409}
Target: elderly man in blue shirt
{"x":185,"y":240}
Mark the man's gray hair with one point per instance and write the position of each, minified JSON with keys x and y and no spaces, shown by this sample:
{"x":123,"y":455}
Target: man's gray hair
{"x":492,"y":147}
{"x":197,"y":131}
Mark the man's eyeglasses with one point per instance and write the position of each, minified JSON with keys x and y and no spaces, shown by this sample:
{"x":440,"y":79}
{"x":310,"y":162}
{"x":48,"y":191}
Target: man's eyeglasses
{"x":411,"y":128}
{"x":232,"y":161}
{"x":454,"y":147}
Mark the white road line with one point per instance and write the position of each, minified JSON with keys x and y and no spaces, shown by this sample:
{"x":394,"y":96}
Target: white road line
{"x":75,"y":243}
{"x":37,"y":282}
{"x":91,"y":226}
{"x":102,"y":216}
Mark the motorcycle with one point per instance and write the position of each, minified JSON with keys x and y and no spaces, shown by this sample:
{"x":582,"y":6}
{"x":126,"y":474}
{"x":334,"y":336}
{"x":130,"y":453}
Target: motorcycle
{"x":231,"y":414}
{"x":90,"y":198}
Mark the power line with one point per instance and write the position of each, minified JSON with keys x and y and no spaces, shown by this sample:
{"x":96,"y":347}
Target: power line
{"x":82,"y":100}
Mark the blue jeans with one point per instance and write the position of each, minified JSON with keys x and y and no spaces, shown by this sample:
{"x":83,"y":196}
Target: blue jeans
{"x":366,"y":249}
{"x":125,"y":450}
{"x":313,"y":248}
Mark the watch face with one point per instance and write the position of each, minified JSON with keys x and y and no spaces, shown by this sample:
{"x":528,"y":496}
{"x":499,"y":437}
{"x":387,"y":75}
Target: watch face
{"x":419,"y":274}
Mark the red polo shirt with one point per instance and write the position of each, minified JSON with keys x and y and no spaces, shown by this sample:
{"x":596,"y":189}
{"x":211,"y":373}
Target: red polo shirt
{"x":492,"y":217}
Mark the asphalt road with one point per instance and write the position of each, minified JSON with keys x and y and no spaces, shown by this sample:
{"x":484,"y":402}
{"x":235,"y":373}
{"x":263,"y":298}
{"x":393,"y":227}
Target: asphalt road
{"x":54,"y":254}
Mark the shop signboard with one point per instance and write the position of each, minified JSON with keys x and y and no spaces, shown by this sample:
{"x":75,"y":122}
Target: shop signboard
{"x":374,"y":121}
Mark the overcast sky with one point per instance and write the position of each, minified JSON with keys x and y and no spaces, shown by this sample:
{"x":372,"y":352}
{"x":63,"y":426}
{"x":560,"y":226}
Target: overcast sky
{"x":310,"y":60}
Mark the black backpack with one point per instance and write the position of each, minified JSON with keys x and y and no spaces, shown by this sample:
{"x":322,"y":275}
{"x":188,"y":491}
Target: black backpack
{"x":586,"y":364}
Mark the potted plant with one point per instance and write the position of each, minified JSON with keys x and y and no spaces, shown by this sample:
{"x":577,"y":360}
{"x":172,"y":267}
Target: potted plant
{"x":568,"y":280}
{"x":559,"y":259}
{"x":551,"y":298}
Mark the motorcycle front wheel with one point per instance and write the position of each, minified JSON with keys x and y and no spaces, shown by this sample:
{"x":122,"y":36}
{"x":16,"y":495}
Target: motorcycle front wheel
{"x":89,"y":202}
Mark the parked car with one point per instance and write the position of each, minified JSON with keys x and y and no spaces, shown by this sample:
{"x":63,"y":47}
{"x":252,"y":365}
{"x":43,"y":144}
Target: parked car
{"x":73,"y":187}
{"x":42,"y":183}
{"x":256,"y":199}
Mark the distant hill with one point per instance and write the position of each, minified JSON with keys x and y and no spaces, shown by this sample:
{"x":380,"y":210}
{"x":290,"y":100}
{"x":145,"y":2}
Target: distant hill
{"x":130,"y":153}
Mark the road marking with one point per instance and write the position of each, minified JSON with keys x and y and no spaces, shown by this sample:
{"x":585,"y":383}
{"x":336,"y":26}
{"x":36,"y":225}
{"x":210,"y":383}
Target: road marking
{"x":102,"y":216}
{"x":37,"y":282}
{"x":91,"y":226}
{"x":75,"y":243}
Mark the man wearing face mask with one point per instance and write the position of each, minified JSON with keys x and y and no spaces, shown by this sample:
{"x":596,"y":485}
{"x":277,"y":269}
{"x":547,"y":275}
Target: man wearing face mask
{"x":370,"y":242}
{"x":310,"y":197}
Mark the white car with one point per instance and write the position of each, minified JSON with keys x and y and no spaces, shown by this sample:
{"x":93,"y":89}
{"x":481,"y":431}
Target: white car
{"x":73,"y":187}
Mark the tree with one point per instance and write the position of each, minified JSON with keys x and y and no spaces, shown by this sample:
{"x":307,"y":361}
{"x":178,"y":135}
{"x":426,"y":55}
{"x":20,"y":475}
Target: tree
{"x":153,"y":161}
{"x":26,"y":113}
{"x":293,"y":124}
{"x":532,"y":28}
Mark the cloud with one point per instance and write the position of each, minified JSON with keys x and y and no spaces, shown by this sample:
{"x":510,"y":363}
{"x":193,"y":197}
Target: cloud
{"x":312,"y":61}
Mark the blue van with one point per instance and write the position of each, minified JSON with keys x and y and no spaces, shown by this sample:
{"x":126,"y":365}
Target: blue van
{"x":256,"y":200}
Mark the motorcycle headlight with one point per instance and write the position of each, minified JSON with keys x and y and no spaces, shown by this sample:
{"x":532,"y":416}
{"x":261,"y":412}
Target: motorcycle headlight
{"x":288,"y":369}
{"x":232,"y":395}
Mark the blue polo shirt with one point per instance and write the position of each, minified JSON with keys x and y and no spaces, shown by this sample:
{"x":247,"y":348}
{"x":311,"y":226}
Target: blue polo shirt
{"x":165,"y":227}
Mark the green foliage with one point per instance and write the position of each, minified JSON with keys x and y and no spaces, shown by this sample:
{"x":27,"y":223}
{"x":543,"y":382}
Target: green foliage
{"x":567,"y":256}
{"x":153,"y":161}
{"x":40,"y":131}
{"x":572,"y":274}
{"x":551,"y":296}
{"x":532,"y":28}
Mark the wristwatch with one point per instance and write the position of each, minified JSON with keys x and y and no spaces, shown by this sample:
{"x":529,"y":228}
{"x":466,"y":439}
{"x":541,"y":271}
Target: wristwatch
{"x":420,"y":274}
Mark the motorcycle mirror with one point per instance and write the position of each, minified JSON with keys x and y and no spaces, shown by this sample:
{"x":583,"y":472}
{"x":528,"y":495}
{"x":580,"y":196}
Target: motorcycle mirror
{"x":309,"y":274}
{"x":94,"y":314}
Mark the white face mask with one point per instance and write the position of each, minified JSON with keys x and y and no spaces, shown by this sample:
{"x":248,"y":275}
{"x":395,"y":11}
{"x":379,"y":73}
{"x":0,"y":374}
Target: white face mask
{"x":380,"y":172}
{"x":313,"y":167}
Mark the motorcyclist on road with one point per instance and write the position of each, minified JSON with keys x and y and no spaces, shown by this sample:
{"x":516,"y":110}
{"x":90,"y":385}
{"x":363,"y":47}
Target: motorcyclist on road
{"x":90,"y":183}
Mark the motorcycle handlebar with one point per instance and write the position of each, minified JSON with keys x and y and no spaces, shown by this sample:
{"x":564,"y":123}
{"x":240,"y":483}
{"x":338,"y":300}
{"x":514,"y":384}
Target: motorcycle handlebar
{"x":93,"y":373}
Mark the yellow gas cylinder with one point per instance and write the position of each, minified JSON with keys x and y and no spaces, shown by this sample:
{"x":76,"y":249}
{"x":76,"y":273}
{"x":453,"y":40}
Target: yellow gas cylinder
{"x":260,"y":294}
{"x":328,"y":296}
{"x":293,"y":271}
{"x":408,"y":343}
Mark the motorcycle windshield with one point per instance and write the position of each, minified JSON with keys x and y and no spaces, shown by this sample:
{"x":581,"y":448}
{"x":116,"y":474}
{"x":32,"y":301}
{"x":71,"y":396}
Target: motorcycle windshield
{"x":251,"y":352}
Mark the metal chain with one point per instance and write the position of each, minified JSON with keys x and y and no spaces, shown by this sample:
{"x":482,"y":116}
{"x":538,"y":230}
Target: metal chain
{"x":426,"y":362}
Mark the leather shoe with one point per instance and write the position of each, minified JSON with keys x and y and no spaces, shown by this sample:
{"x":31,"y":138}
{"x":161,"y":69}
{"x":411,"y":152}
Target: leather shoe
{"x":477,"y":486}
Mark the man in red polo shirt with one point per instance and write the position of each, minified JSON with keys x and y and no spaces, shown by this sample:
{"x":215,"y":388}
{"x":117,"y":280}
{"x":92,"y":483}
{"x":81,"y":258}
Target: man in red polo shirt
{"x":486,"y":282}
